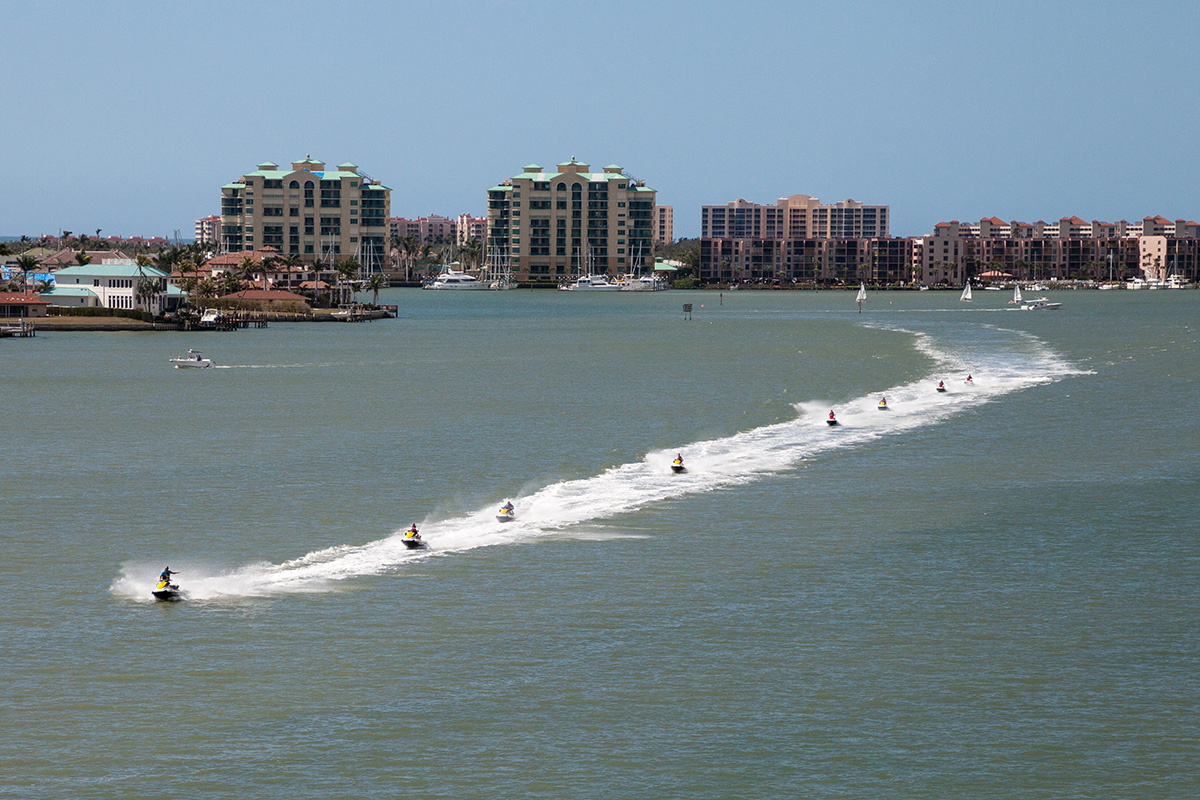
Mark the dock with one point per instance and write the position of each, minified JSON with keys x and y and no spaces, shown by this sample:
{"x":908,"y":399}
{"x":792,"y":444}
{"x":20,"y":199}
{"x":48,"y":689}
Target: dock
{"x":23,"y":330}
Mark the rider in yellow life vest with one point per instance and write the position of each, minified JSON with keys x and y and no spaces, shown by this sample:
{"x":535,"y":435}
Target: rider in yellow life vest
{"x":412,"y":533}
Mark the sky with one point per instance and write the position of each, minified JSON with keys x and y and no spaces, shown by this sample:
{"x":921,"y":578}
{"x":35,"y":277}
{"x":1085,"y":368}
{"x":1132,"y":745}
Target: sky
{"x":130,"y":116}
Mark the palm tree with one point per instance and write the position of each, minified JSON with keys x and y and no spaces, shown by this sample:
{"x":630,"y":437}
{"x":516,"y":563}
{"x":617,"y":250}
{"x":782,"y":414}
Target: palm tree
{"x":206,"y":287}
{"x":26,"y":264}
{"x":291,"y":261}
{"x":374,"y":284}
{"x":347,"y":270}
{"x":82,"y":258}
{"x":245,"y":272}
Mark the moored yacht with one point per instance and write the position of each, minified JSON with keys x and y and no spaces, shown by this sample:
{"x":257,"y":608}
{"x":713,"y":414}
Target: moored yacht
{"x":590,"y":283}
{"x":453,"y":279}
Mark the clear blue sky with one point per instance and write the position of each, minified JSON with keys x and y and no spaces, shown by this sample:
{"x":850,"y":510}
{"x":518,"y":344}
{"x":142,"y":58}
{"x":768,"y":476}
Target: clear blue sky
{"x":130,"y":116}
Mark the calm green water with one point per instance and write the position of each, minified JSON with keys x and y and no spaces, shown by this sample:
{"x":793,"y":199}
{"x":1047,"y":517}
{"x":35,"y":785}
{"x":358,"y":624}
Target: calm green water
{"x":986,"y":593}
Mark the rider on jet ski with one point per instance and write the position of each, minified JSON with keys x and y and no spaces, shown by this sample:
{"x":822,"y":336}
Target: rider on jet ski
{"x":412,"y":533}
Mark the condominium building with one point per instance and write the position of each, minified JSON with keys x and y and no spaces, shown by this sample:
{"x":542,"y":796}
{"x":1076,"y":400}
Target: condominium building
{"x":433,"y":229}
{"x":1069,"y":249}
{"x":208,"y":230}
{"x":317,"y":213}
{"x":799,"y":240}
{"x":468,"y":228}
{"x":797,"y":217}
{"x":664,"y":224}
{"x":807,"y":261}
{"x":537,"y":221}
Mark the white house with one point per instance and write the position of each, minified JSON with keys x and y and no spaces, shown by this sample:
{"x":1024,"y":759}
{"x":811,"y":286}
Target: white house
{"x":113,"y":284}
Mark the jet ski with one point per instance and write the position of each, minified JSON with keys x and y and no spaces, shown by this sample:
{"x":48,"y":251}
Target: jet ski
{"x":883,"y":406}
{"x":165,"y":590}
{"x":677,"y":466}
{"x":506,"y":513}
{"x":412,"y":539}
{"x":941,"y":387}
{"x":832,"y":420}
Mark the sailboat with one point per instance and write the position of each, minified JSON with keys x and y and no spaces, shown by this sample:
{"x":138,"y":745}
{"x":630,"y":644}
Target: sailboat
{"x":1016,"y":296}
{"x":862,"y":295}
{"x":966,"y":295}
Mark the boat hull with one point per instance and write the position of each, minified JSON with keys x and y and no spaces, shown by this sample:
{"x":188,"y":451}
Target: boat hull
{"x":167,"y":594}
{"x":505,"y":517}
{"x":831,"y":422}
{"x":414,"y":544}
{"x":678,"y":468}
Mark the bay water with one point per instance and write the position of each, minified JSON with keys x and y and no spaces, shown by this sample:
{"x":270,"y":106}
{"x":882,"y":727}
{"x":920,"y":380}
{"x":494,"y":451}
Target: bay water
{"x":989,"y":593}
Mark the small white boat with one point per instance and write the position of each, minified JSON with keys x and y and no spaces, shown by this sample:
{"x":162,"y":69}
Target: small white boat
{"x":1040,"y":304}
{"x":1016,"y":296}
{"x":862,"y":295}
{"x":454,"y":280}
{"x":966,"y":293}
{"x":924,"y":288}
{"x":641,"y":283}
{"x":193,"y":360}
{"x":506,"y":513}
{"x":591,"y":283}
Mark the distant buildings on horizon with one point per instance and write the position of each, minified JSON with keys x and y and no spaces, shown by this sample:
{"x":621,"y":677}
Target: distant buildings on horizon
{"x":549,"y":224}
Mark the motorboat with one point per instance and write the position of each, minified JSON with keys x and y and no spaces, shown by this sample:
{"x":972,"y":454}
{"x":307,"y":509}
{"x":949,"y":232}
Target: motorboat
{"x":1041,"y":304}
{"x":193,"y":360}
{"x":641,"y":283}
{"x":941,"y":387}
{"x":506,"y":513}
{"x":832,"y":420}
{"x":677,"y":465}
{"x":883,"y":406}
{"x":590,"y":283}
{"x":413,"y":541}
{"x":454,"y":280}
{"x":167,"y":591}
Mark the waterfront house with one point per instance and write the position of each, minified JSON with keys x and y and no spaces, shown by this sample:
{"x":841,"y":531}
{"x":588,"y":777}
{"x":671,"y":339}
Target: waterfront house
{"x":23,"y":304}
{"x":114,"y":284}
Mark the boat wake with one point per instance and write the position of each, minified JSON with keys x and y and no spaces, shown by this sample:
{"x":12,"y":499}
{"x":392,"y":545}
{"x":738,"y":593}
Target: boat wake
{"x":1001,"y":361}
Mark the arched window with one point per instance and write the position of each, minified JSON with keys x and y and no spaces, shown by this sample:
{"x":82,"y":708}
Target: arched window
{"x":562,"y":187}
{"x":294,"y":185}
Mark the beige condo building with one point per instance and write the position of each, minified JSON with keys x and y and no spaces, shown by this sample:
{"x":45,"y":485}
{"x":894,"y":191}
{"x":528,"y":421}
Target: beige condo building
{"x":317,"y":213}
{"x":549,"y":225}
{"x":664,"y":224}
{"x":797,"y":217}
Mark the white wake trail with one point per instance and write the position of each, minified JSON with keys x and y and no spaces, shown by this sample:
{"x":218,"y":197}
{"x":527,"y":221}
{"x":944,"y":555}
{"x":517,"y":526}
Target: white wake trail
{"x":1002,"y":362}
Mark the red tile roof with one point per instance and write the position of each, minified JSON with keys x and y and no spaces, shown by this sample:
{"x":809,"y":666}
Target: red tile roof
{"x":22,"y":299}
{"x":235,"y":259}
{"x":266,"y":294}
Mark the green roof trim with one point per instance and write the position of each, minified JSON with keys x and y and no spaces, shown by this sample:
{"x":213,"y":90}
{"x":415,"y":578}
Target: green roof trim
{"x":500,"y":189}
{"x":110,"y":271}
{"x":617,"y":167}
{"x":68,"y":291}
